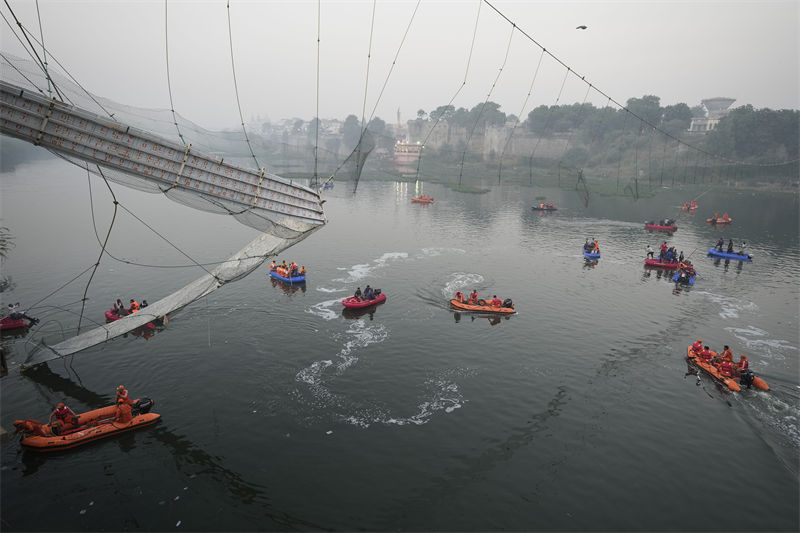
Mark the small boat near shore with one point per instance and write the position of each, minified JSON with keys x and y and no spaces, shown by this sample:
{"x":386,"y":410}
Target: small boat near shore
{"x":422,"y":199}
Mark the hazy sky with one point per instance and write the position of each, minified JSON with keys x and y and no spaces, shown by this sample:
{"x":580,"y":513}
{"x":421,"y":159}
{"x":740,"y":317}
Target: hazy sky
{"x":681,"y":51}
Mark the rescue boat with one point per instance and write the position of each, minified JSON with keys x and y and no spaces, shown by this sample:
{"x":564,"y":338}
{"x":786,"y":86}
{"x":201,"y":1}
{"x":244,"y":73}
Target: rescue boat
{"x":8,"y":323}
{"x":590,"y":255}
{"x":660,"y":227}
{"x":681,"y":277}
{"x":545,"y":208}
{"x":729,"y":255}
{"x":359,"y":303}
{"x":713,"y":220}
{"x":295,"y":279}
{"x":660,"y":264}
{"x":88,"y":427}
{"x":422,"y":199}
{"x":747,"y":377}
{"x":482,"y":306}
{"x":111,"y":316}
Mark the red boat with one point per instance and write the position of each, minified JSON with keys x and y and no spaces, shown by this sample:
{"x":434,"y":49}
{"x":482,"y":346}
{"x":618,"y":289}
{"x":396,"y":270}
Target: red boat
{"x":359,"y":303}
{"x":658,"y":263}
{"x":659,"y":227}
{"x":8,"y":323}
{"x":111,"y":317}
{"x":422,"y":199}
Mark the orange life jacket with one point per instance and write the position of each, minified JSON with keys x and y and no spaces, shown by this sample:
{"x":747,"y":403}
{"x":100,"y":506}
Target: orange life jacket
{"x":743,"y":364}
{"x":134,"y":306}
{"x":697,"y":347}
{"x":123,"y":413}
{"x":726,"y":368}
{"x":705,"y":355}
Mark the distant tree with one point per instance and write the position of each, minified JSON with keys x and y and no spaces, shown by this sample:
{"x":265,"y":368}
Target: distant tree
{"x":351,"y":132}
{"x":376,"y":125}
{"x":297,"y":127}
{"x":443,"y":112}
{"x":647,"y":107}
{"x":421,"y":114}
{"x":698,"y":111}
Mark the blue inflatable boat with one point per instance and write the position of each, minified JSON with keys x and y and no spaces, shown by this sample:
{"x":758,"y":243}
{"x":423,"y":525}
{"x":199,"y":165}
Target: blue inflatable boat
{"x":680,"y":277}
{"x":296,"y":279}
{"x":590,"y":255}
{"x":726,"y":255}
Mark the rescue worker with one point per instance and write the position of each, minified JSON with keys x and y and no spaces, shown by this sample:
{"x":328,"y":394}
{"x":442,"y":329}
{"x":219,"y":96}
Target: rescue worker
{"x":369,"y":294}
{"x":730,"y":246}
{"x":272,"y":266}
{"x":302,"y":271}
{"x":742,"y":363}
{"x":697,"y":347}
{"x":357,"y":294}
{"x":473,"y":296}
{"x":134,"y":306}
{"x":726,"y":368}
{"x":650,"y":251}
{"x":720,"y":244}
{"x":706,"y":355}
{"x":727,"y":354}
{"x":496,"y":302}
{"x":62,"y":415}
{"x":123,"y":414}
{"x":459,"y":297}
{"x":122,"y":395}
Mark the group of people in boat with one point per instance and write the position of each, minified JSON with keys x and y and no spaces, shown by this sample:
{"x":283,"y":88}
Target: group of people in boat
{"x":120,"y":310}
{"x":724,"y":218}
{"x":424,"y":198}
{"x":15,"y":313}
{"x":690,"y":205}
{"x":474,"y":300}
{"x":721,"y":243}
{"x":368,"y":294}
{"x":288,"y":271}
{"x":63,"y":418}
{"x":543,"y":205}
{"x":591,"y":246}
{"x":686,"y":269}
{"x":723,"y":362}
{"x":667,"y":254}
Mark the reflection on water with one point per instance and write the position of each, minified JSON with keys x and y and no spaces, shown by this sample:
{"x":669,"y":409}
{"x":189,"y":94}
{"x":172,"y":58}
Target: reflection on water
{"x":277,"y":403}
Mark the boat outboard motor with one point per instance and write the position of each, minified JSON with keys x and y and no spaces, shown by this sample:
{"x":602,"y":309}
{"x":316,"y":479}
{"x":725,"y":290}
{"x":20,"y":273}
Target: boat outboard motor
{"x":508,"y":303}
{"x":142,"y":406}
{"x":376,"y":292}
{"x":746,"y":378}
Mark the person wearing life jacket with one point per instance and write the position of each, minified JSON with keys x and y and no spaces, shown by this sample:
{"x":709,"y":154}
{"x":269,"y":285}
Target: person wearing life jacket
{"x":273,"y":267}
{"x":357,"y":294}
{"x":123,"y":414}
{"x":473,"y":296}
{"x":122,"y":395}
{"x":459,"y":297}
{"x":63,"y":414}
{"x":727,"y":354}
{"x":496,"y":302}
{"x":706,"y":354}
{"x":134,"y":306}
{"x":596,"y":247}
{"x":302,"y":271}
{"x":697,"y":347}
{"x":742,"y":363}
{"x":716,"y":216}
{"x":726,"y":368}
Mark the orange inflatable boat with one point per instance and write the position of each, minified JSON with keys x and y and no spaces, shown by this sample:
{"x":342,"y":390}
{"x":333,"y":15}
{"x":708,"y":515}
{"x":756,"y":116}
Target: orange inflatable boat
{"x":733,"y":383}
{"x":482,"y":306}
{"x":87,"y":427}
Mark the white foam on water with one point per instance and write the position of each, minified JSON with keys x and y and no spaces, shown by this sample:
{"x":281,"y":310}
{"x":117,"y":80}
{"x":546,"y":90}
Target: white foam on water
{"x":731,"y":307}
{"x":355,"y":273}
{"x":326,"y":289}
{"x":461,"y":281}
{"x":435,"y":252}
{"x":756,"y":341}
{"x":323,"y":309}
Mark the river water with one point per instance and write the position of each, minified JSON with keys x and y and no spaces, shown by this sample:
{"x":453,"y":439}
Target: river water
{"x":281,"y":412}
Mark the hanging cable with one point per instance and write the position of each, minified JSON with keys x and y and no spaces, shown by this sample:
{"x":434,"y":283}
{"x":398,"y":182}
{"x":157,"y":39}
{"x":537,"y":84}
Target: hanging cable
{"x":463,"y":83}
{"x":44,"y":50}
{"x":519,"y":117}
{"x":169,"y":84}
{"x":236,"y":87}
{"x":480,"y":111}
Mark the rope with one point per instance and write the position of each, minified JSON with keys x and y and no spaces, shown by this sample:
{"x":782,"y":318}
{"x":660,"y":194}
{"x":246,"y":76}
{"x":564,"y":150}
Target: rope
{"x":105,"y":242}
{"x":44,"y":50}
{"x":546,"y":124}
{"x":316,"y":138}
{"x":519,"y":116}
{"x":480,"y":112}
{"x":169,"y":84}
{"x":463,"y":83}
{"x":236,"y":86}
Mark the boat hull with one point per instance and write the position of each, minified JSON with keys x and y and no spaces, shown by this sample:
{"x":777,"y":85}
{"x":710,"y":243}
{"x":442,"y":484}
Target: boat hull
{"x":111,"y":317}
{"x":677,"y":279}
{"x":591,"y":255}
{"x":719,"y":220}
{"x":730,"y":382}
{"x":423,"y":200}
{"x":658,"y":227}
{"x":91,"y":426}
{"x":355,"y":303}
{"x":8,"y":323}
{"x":488,"y":308}
{"x":536,"y":208}
{"x":658,"y":264}
{"x":296,"y":279}
{"x":716,"y":253}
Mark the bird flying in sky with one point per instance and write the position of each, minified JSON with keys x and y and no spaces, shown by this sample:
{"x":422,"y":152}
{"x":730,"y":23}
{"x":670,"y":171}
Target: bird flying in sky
{"x":581,"y":27}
